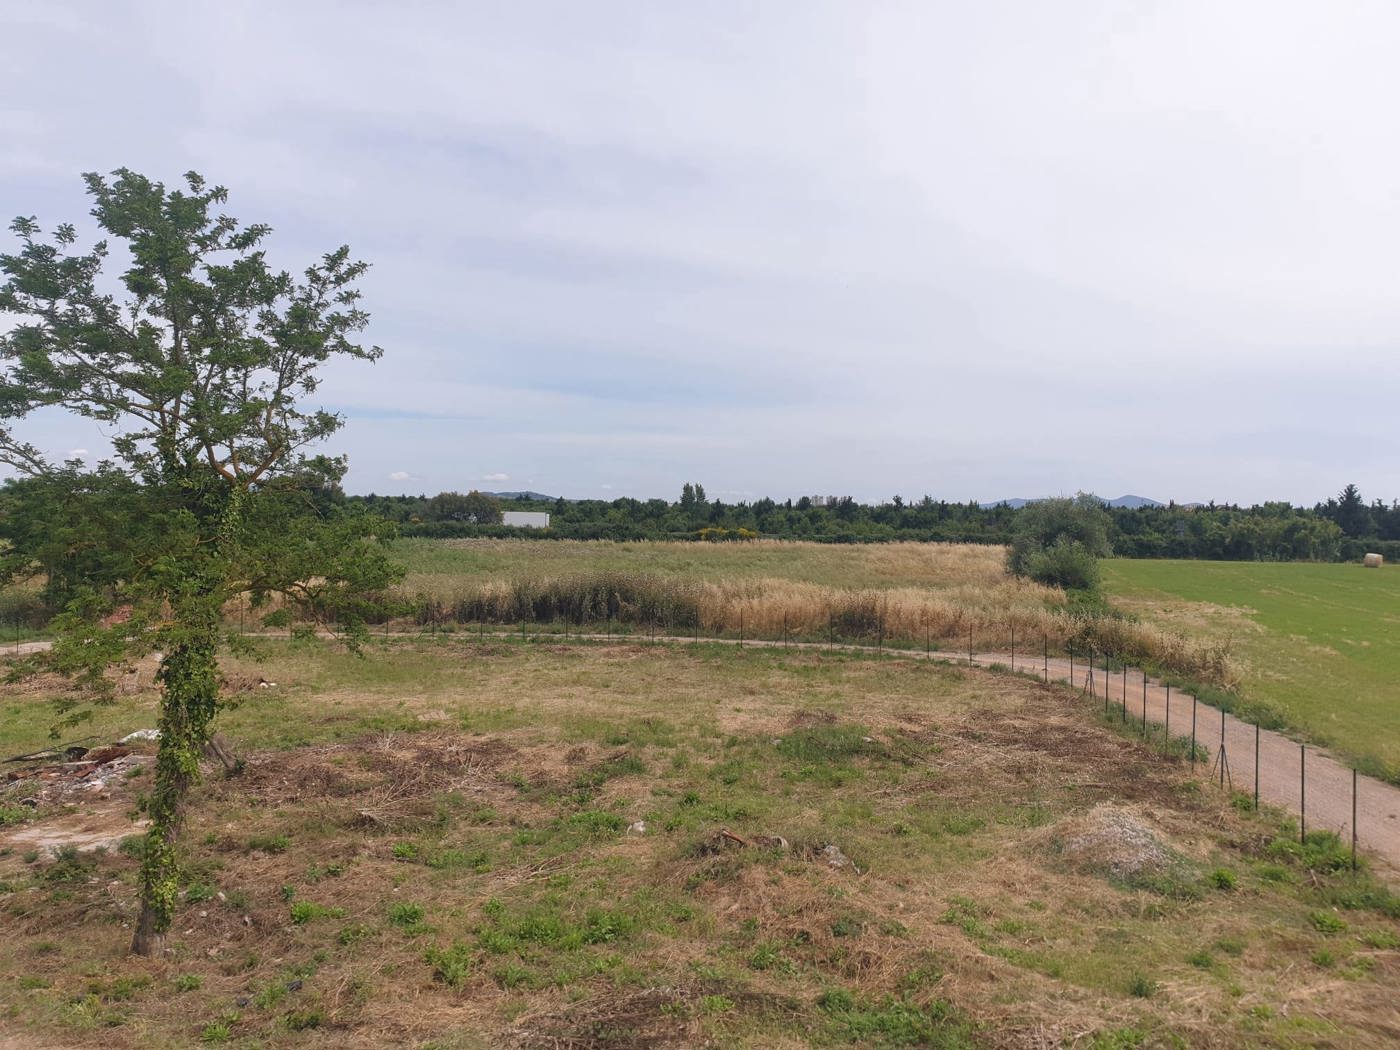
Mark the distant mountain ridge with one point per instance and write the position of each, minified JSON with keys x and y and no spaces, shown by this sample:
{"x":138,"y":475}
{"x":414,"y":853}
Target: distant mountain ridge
{"x":1129,"y":501}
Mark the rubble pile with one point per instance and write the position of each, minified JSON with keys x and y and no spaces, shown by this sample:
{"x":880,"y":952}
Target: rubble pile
{"x":80,"y":772}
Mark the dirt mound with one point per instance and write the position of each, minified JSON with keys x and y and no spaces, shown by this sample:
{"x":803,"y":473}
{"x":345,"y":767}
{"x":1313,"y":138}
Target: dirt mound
{"x":1113,"y":841}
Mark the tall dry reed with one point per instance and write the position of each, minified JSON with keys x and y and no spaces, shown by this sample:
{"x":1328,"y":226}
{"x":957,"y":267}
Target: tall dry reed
{"x":988,"y":615}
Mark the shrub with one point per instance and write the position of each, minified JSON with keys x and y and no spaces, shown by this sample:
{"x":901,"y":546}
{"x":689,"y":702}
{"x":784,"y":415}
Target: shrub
{"x":303,"y":912}
{"x":1065,"y":563}
{"x":1326,"y":922}
{"x":355,"y":932}
{"x":1058,"y":542}
{"x":1142,"y":986}
{"x":450,"y":965}
{"x":1320,"y":851}
{"x":1223,"y":879}
{"x":405,"y":914}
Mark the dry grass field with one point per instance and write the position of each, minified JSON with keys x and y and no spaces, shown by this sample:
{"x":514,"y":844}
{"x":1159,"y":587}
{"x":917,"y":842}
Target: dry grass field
{"x":910,"y":594}
{"x":444,"y":844}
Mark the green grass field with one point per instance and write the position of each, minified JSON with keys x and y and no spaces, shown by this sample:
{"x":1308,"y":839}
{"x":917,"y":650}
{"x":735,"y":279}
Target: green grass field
{"x":1319,"y":644}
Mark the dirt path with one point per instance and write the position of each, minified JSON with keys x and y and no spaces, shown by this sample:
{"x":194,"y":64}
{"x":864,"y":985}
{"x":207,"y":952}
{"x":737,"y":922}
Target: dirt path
{"x":23,"y":648}
{"x":1281,"y":762}
{"x":1279,"y":770}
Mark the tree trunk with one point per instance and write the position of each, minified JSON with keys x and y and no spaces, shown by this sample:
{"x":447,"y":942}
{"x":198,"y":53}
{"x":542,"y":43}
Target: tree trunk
{"x":189,"y":680}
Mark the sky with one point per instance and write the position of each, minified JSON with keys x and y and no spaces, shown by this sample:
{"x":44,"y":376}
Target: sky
{"x":976,"y":251}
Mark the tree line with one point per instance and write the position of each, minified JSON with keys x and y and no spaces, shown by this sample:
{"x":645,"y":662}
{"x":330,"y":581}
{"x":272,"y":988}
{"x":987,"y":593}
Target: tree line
{"x":1341,"y":528}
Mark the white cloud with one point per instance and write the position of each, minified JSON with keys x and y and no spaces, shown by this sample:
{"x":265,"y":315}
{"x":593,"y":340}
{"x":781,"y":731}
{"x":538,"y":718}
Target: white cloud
{"x":77,"y":453}
{"x":831,"y":248}
{"x":495,"y":477}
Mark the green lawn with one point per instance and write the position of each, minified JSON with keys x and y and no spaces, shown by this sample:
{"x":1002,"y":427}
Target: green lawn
{"x":1320,"y":643}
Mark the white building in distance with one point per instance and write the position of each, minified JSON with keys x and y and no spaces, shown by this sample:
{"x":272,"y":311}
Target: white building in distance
{"x":525,"y":519}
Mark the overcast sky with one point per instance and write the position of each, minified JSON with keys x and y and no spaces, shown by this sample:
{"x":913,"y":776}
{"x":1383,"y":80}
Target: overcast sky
{"x":973,"y":250}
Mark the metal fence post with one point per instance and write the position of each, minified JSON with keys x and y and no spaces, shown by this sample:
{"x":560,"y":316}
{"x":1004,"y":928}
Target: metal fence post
{"x":1013,"y":646}
{"x":1303,"y":793}
{"x":1256,"y":766}
{"x":1193,"y":736}
{"x":1353,"y":820}
{"x":1223,"y":757}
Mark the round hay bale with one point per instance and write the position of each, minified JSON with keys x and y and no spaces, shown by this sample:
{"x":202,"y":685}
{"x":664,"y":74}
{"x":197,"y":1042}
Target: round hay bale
{"x":1373,"y":561}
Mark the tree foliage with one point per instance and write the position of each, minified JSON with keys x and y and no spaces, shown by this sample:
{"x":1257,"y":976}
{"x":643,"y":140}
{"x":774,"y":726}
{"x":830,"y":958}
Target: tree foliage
{"x":1059,"y":541}
{"x":1275,"y":531}
{"x":476,"y":508}
{"x":196,"y":356}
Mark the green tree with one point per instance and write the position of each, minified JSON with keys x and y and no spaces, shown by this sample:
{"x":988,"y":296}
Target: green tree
{"x":475,"y":507}
{"x":1059,"y":541}
{"x":196,"y":356}
{"x":1352,"y":513}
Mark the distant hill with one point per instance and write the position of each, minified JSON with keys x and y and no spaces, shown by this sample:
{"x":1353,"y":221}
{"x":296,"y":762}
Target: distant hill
{"x":1134,"y":502}
{"x":1014,"y":504}
{"x":520,"y":495}
{"x":1131,"y":502}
